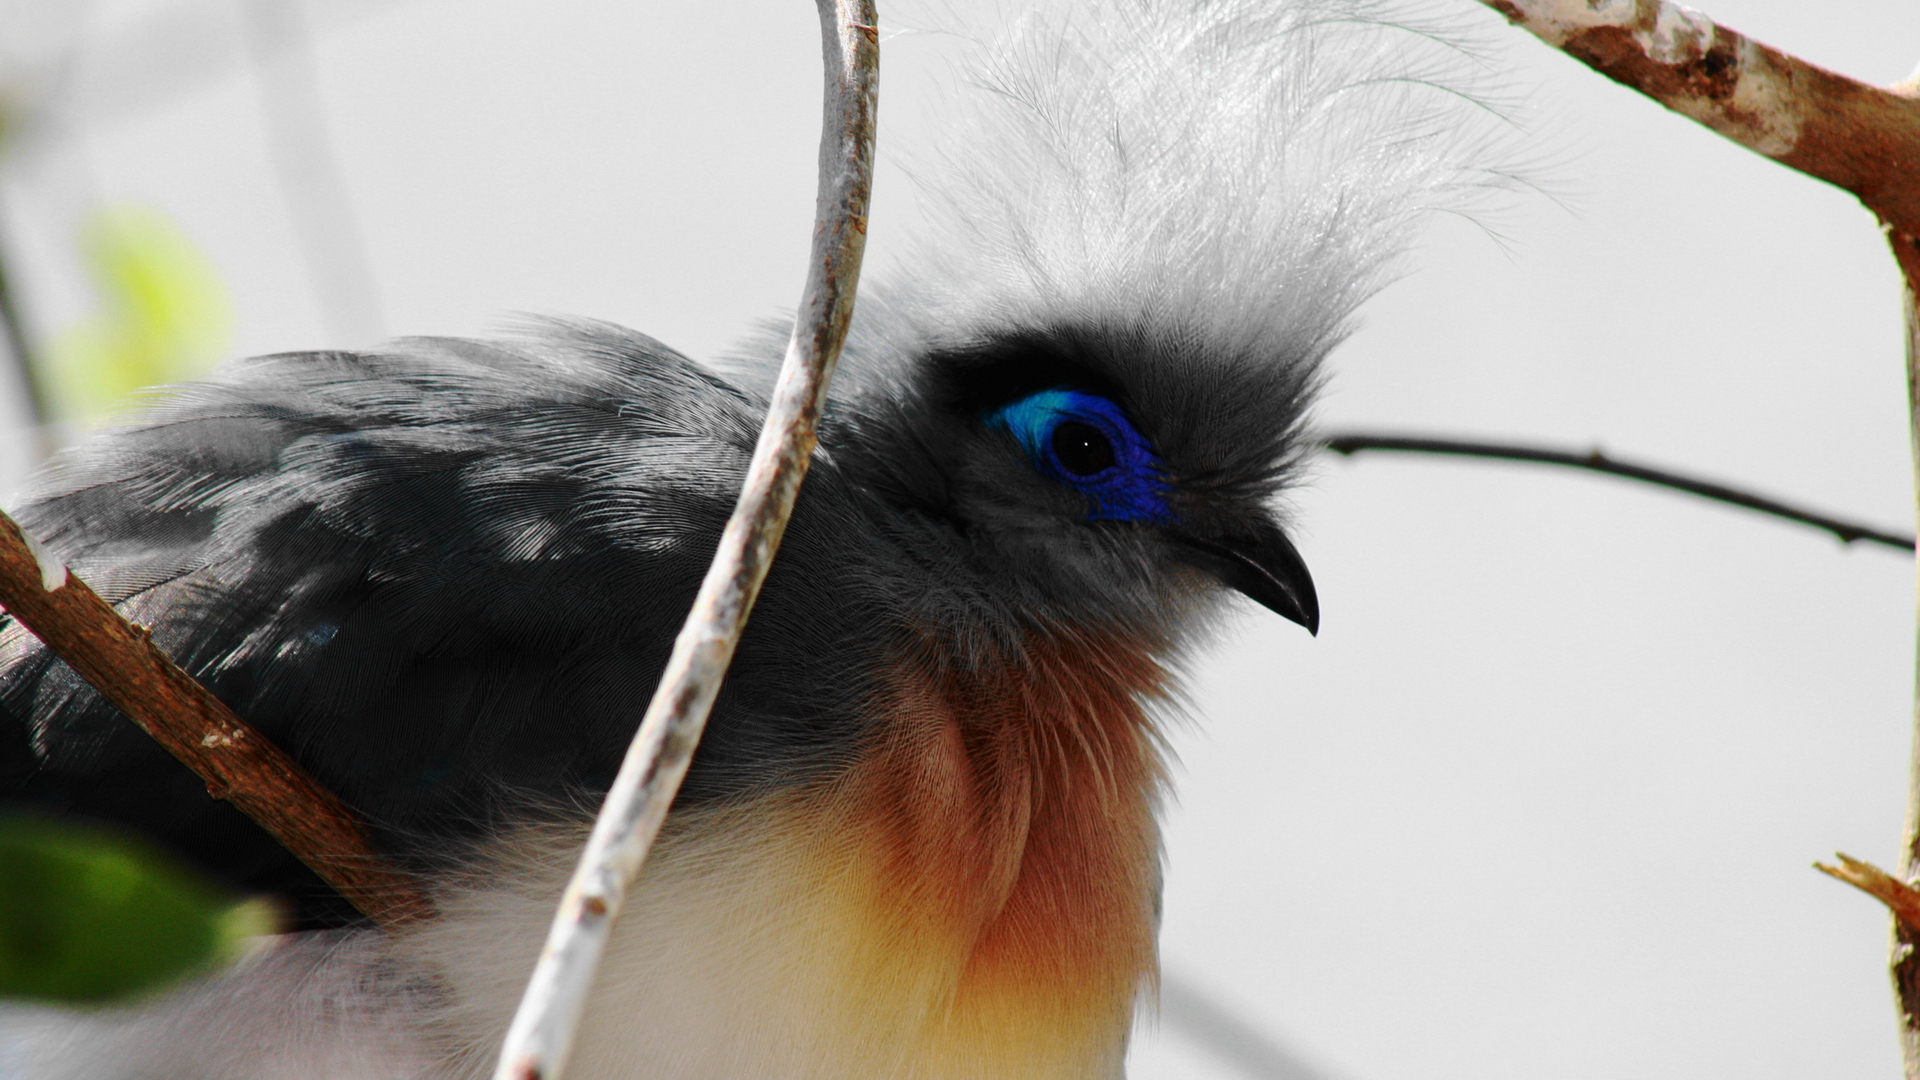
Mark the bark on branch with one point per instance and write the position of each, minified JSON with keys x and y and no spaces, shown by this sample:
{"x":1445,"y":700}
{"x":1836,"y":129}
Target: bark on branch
{"x":1852,"y":134}
{"x":1906,"y":939}
{"x":541,"y":1035}
{"x":238,"y":763}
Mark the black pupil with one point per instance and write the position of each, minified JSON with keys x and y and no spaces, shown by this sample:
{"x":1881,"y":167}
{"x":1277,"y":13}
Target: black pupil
{"x":1082,"y":448}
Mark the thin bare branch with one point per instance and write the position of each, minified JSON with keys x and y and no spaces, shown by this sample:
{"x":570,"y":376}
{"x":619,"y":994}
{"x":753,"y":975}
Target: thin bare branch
{"x":1901,"y":898}
{"x":540,"y":1038}
{"x":308,"y":166}
{"x":238,"y":763}
{"x":1595,"y":461}
{"x":1225,"y":1034}
{"x":1852,"y":134}
{"x":22,"y":356}
{"x":1905,"y":961}
{"x":142,"y":60}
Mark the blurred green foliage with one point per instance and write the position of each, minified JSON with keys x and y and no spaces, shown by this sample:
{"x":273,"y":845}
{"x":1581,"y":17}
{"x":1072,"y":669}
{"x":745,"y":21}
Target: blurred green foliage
{"x":88,"y":916}
{"x":164,"y":314}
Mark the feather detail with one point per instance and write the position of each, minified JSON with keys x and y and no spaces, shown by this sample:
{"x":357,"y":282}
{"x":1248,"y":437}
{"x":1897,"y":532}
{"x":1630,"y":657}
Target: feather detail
{"x":1013,"y":799}
{"x":1238,"y":173}
{"x":973,"y":897}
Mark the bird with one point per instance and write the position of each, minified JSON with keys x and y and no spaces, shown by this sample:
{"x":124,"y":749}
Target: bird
{"x":919,"y":838}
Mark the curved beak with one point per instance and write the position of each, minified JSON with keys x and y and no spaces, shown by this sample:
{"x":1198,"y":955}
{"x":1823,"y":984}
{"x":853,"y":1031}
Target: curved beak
{"x":1266,"y":568}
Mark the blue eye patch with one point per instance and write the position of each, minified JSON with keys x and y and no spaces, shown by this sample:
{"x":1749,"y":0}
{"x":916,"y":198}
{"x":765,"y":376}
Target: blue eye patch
{"x":1085,"y":442}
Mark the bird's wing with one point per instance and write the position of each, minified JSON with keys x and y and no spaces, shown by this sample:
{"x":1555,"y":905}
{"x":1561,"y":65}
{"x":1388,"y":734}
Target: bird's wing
{"x":444,"y":575}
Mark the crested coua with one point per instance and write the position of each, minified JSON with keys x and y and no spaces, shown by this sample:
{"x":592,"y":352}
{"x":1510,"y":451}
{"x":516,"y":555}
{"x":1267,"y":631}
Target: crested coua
{"x":919,"y":838}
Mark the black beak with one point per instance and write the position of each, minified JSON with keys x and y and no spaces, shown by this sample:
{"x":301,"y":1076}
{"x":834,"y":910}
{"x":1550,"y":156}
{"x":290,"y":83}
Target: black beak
{"x":1266,"y":568}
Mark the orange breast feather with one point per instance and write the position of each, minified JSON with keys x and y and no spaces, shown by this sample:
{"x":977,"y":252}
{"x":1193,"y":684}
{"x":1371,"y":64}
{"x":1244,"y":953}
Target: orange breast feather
{"x":1005,"y":810}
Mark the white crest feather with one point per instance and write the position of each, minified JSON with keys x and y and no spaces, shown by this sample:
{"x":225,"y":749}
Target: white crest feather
{"x":1248,"y":171}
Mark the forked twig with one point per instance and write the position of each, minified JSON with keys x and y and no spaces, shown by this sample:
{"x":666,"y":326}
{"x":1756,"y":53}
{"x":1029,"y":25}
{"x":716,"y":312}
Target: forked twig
{"x":1349,"y":443}
{"x":238,"y":763}
{"x":1901,"y":898}
{"x":541,"y":1035}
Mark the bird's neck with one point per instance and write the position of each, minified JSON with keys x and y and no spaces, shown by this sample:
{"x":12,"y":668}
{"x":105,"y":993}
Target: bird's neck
{"x":1007,"y":805}
{"x":972,"y":897}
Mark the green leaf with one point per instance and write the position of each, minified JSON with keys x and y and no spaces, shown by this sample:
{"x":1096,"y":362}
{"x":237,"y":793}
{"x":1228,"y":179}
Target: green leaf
{"x":163,"y":317}
{"x":89,"y":916}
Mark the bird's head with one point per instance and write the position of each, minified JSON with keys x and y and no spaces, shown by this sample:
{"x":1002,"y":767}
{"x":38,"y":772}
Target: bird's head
{"x":1089,"y":369}
{"x":1111,"y":472}
{"x":1131,"y":449}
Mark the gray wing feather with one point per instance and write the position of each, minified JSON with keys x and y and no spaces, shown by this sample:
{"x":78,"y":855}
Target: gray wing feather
{"x":444,"y":575}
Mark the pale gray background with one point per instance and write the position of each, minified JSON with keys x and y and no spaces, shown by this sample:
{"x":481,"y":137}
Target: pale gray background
{"x":1541,"y":799}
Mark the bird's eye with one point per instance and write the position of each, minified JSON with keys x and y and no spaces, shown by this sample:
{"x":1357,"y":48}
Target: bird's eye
{"x":1087,"y":443}
{"x":1083,"y":450}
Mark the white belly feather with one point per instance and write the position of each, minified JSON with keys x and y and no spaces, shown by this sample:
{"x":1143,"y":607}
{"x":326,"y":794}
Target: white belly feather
{"x":740,"y":958}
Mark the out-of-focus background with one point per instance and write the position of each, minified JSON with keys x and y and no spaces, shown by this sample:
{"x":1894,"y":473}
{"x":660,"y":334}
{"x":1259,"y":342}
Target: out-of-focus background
{"x":1540,"y":800}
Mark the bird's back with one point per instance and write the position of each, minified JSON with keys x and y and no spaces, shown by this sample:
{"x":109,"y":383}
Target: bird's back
{"x":443,"y":575}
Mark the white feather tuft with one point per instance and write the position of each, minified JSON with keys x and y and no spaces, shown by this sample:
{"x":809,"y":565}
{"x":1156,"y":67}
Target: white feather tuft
{"x":1243,"y":172}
